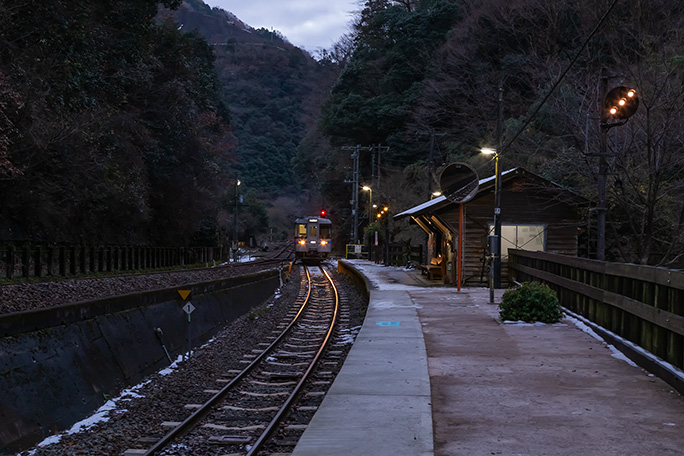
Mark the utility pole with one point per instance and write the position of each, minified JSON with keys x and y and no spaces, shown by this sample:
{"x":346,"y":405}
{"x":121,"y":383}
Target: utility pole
{"x":355,"y":189}
{"x":603,"y":171}
{"x":375,"y":165}
{"x":431,"y":158}
{"x":615,"y":108}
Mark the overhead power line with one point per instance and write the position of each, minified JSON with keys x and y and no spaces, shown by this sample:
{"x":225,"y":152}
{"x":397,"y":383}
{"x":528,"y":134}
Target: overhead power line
{"x":562,"y":76}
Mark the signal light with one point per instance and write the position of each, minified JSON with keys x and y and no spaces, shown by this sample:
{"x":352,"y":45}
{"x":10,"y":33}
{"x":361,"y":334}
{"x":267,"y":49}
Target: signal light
{"x":323,"y":212}
{"x":621,"y":102}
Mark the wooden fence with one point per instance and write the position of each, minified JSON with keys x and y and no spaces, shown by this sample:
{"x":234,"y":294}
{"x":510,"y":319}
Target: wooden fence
{"x":642,"y":304}
{"x":25,"y":260}
{"x":398,"y":254}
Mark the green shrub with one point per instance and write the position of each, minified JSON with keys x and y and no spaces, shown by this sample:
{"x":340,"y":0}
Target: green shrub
{"x":533,"y":301}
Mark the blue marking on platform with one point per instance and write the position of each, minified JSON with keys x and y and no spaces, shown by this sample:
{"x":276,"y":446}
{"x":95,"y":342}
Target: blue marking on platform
{"x":388,"y":323}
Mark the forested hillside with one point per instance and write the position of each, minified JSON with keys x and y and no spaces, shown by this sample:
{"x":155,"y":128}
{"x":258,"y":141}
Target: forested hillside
{"x":274,"y":91}
{"x":111,"y":125}
{"x":130,"y":122}
{"x":429,"y":71}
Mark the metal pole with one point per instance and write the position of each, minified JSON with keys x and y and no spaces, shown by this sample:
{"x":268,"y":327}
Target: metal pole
{"x":460,"y":247}
{"x":603,"y":171}
{"x":497,"y":196}
{"x":355,"y":195}
{"x":189,"y":337}
{"x":430,"y":163}
{"x":387,"y":261}
{"x":235,"y":222}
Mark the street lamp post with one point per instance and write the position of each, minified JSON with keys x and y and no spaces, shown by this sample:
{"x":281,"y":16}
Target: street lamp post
{"x":370,"y":209}
{"x":235,"y":222}
{"x":385,"y":213}
{"x":615,"y":107}
{"x":496,"y":247}
{"x":370,"y":199}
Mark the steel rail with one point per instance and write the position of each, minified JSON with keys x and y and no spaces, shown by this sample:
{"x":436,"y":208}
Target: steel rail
{"x":286,"y":406}
{"x":206,"y":408}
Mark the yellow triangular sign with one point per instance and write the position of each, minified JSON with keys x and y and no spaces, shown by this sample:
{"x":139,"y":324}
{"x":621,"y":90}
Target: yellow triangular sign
{"x":184,"y":294}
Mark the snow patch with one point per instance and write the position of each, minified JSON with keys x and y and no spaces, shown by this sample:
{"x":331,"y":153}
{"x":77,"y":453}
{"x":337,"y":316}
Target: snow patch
{"x":101,"y":415}
{"x":172,"y":367}
{"x":583,"y":324}
{"x":377,"y":276}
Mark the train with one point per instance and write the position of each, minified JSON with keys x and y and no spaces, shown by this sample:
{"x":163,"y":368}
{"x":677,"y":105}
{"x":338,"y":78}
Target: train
{"x":312,"y":239}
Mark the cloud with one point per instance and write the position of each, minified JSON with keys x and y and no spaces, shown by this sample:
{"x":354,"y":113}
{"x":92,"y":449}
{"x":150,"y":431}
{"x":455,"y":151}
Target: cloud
{"x":310,"y":24}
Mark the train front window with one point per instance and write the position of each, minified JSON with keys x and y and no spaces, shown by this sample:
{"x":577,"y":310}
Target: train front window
{"x":325,"y":232}
{"x":313,"y":231}
{"x":301,"y":230}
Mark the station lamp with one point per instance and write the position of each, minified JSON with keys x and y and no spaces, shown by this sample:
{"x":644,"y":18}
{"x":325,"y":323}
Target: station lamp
{"x":621,"y":102}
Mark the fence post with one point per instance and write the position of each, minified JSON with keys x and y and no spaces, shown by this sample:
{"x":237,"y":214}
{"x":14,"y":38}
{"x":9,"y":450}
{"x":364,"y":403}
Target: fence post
{"x":72,"y":260}
{"x":82,"y":268}
{"x":127,"y":260}
{"x":38,"y":261}
{"x":11,"y":261}
{"x":101,"y":259}
{"x":50,"y":260}
{"x":108,"y":260}
{"x":117,"y":258}
{"x":62,"y":261}
{"x":26,"y":261}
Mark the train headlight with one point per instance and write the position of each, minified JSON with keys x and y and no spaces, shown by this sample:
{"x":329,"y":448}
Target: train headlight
{"x":324,"y":242}
{"x":301,"y":242}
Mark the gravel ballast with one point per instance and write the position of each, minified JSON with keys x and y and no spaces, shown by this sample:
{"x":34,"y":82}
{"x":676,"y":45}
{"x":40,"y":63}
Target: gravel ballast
{"x":139,"y":411}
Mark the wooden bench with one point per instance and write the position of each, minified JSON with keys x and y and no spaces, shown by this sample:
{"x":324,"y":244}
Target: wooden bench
{"x":434,"y":269}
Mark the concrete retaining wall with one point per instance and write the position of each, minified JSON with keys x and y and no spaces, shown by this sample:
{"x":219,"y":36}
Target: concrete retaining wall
{"x":348,"y":269}
{"x":58,"y":365}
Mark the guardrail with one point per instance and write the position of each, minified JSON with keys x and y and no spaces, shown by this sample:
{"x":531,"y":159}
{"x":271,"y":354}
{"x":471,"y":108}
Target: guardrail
{"x":640,"y":304}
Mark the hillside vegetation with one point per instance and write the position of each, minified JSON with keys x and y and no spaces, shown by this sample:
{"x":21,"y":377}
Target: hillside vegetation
{"x":111,"y":125}
{"x":132,"y":121}
{"x":425,"y":75}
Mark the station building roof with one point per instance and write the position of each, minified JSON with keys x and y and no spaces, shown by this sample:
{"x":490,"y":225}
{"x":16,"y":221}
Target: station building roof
{"x":441,"y":201}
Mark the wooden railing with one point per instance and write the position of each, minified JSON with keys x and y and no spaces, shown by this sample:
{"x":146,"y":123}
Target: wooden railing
{"x":641,"y":304}
{"x":26,"y":260}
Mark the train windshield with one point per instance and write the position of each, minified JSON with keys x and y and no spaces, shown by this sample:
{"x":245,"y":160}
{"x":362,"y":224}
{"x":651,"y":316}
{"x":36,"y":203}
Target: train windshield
{"x":313,"y":231}
{"x":301,"y":230}
{"x":325,"y":232}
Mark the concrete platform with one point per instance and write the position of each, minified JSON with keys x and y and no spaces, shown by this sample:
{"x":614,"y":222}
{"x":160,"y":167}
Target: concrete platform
{"x":433,"y":371}
{"x":380,"y":401}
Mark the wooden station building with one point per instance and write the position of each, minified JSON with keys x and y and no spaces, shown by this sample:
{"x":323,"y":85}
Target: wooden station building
{"x":536,"y":215}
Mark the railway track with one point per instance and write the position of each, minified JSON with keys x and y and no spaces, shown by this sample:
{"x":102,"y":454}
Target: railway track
{"x":252,"y":411}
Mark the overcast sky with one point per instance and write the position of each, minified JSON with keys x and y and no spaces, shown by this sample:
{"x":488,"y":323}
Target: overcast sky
{"x":308,"y":24}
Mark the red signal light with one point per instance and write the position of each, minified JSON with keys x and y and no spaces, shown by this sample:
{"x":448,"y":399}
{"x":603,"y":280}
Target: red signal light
{"x":323,"y":212}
